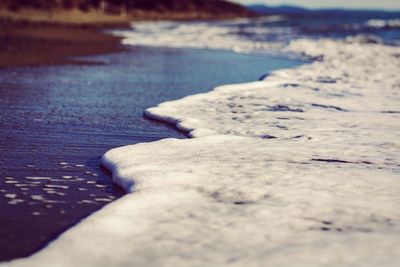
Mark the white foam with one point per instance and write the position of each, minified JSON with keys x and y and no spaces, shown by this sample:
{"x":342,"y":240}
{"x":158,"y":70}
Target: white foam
{"x":324,"y":192}
{"x":38,"y":178}
{"x":205,"y":35}
{"x":57,"y":186}
{"x":380,"y":23}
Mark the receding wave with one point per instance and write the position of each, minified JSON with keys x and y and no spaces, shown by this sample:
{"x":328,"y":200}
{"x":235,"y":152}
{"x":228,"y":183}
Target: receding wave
{"x":306,"y":160}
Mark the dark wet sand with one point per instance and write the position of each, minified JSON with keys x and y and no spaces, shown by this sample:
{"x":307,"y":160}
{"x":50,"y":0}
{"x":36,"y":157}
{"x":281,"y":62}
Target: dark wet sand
{"x":26,"y":44}
{"x":57,"y":121}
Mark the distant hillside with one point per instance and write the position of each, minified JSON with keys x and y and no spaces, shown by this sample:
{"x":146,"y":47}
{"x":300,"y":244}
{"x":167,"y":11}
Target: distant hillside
{"x":286,"y":9}
{"x":193,"y":8}
{"x":295,"y":10}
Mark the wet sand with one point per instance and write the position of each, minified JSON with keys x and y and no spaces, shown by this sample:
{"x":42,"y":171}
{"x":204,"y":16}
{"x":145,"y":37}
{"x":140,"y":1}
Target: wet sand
{"x":57,"y":121}
{"x":27,"y":44}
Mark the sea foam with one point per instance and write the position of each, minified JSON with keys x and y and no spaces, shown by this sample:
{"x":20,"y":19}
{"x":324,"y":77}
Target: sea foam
{"x":380,"y":23}
{"x":218,"y":35}
{"x":299,"y":169}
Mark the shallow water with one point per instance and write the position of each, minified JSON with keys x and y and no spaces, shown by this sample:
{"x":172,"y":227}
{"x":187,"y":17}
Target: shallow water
{"x":58,"y":121}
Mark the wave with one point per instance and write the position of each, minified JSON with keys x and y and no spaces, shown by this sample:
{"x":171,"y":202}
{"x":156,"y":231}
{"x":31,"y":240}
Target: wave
{"x":298,"y":152}
{"x":303,"y":162}
{"x":228,"y":35}
{"x":241,"y":36}
{"x":380,"y":23}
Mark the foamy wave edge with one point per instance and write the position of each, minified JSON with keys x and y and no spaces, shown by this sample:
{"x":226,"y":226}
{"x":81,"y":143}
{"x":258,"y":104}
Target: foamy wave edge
{"x":308,"y":221}
{"x":239,"y":194}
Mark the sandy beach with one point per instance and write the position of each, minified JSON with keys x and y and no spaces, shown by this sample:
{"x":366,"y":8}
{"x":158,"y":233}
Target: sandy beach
{"x":47,"y":34}
{"x":24,"y":44}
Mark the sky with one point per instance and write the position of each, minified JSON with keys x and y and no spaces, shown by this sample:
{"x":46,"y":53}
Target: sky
{"x":358,"y":4}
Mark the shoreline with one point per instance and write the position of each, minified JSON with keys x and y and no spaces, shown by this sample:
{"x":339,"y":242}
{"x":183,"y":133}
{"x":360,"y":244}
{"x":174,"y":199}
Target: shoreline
{"x":179,"y":181}
{"x":88,"y":127}
{"x":198,"y":191}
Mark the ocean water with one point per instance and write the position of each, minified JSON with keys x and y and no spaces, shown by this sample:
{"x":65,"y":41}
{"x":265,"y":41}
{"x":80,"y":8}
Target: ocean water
{"x":384,"y":26}
{"x":267,"y":34}
{"x":300,"y":168}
